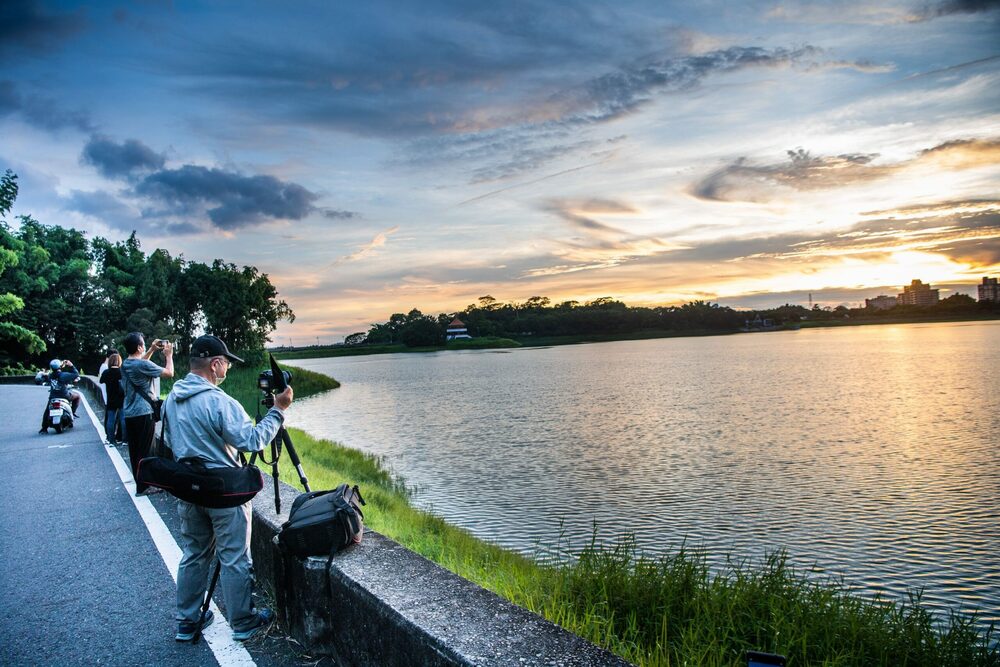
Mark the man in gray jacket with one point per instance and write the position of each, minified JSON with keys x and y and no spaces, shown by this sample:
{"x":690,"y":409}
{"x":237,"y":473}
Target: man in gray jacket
{"x":203,"y":422}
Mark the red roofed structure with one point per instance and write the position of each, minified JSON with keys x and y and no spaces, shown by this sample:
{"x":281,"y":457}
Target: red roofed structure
{"x":456,"y":330}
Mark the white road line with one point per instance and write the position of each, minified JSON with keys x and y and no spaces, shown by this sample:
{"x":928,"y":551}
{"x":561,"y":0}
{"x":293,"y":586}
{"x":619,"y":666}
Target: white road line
{"x":228,"y":652}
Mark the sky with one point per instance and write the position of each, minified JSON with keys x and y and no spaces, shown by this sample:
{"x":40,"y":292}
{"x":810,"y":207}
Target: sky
{"x":377,"y":157}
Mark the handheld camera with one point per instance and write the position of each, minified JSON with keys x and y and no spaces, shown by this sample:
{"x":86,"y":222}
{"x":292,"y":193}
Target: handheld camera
{"x":273,"y":381}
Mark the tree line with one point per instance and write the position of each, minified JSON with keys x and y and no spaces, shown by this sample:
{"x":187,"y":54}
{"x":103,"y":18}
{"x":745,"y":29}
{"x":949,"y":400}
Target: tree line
{"x":62,"y":295}
{"x":539,"y":317}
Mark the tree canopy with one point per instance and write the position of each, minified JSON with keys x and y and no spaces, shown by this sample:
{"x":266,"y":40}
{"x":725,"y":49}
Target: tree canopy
{"x":66,"y":296}
{"x":536,"y":317}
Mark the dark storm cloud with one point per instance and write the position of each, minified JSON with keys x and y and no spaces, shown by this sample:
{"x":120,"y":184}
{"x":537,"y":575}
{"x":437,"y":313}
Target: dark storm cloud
{"x":231,"y":200}
{"x":743,"y":180}
{"x":26,"y":26}
{"x":949,"y":7}
{"x":116,"y":160}
{"x":39,"y":111}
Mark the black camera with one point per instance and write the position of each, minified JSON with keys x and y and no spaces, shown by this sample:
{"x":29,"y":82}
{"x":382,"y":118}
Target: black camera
{"x":266,"y":383}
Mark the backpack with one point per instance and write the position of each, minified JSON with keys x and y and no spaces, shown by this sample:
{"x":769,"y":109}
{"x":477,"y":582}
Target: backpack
{"x":323,"y":522}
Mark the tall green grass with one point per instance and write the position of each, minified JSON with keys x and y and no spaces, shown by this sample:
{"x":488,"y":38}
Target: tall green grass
{"x":670,"y":610}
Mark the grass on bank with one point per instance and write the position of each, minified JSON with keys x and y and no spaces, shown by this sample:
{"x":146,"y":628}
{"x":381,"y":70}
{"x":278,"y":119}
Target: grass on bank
{"x":669,"y":610}
{"x":241,"y":382}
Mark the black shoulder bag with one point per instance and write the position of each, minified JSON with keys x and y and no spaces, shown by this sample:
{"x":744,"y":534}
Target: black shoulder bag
{"x":189,"y":479}
{"x":155,"y":403}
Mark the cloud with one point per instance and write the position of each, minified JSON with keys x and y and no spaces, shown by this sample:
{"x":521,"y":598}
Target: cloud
{"x":335,"y":214}
{"x":503,"y":98}
{"x":951,"y":7}
{"x":621,"y":92}
{"x":597,"y":244}
{"x":231,"y":200}
{"x":102,"y":206}
{"x":40,"y":112}
{"x":939,"y":228}
{"x":745,"y":181}
{"x":25,"y":26}
{"x":120,"y":160}
{"x":962,"y":231}
{"x":365,"y":250}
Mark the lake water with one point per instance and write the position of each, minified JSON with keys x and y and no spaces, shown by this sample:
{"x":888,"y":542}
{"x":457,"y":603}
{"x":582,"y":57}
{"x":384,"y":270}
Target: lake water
{"x":871,"y":452}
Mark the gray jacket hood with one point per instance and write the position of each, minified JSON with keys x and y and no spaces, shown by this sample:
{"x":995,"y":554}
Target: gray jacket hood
{"x":191,"y":385}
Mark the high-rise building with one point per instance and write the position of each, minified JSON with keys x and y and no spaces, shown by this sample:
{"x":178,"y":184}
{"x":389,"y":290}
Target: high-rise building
{"x":881,"y":302}
{"x":917,"y":294}
{"x":989,"y":290}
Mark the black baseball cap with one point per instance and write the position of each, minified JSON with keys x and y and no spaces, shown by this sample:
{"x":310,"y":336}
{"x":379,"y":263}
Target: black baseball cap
{"x":212,"y":346}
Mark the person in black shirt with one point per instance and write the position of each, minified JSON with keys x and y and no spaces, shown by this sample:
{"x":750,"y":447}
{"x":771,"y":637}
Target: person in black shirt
{"x":114,"y":417}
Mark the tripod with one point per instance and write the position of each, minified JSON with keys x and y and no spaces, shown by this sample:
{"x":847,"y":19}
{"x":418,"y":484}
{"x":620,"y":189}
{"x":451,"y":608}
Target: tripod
{"x":281,"y":439}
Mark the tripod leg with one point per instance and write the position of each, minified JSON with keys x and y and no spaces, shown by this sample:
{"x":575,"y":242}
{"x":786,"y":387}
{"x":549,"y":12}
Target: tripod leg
{"x":208,"y":601}
{"x":275,"y":474}
{"x":294,"y":456}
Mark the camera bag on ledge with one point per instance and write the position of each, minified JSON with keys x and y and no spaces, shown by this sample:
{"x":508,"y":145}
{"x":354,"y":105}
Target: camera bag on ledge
{"x":321,"y":523}
{"x":190,"y":480}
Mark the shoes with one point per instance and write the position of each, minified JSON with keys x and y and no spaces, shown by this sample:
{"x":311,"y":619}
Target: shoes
{"x":43,"y":431}
{"x":264,"y":618}
{"x":76,"y":416}
{"x":149,"y":491}
{"x":186,"y":629}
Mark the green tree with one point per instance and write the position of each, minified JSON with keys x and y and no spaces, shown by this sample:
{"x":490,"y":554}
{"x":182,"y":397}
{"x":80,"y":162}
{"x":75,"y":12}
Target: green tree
{"x":422,"y":331}
{"x":241,"y":306}
{"x":17,"y":342}
{"x":355,"y":339}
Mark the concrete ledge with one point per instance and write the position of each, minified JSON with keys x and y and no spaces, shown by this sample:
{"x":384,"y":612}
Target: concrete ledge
{"x":382,"y":604}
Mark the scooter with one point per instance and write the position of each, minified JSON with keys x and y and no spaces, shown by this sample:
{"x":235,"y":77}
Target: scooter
{"x":60,"y":414}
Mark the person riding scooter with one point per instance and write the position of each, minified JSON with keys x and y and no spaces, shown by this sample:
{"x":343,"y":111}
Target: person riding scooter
{"x":60,"y":381}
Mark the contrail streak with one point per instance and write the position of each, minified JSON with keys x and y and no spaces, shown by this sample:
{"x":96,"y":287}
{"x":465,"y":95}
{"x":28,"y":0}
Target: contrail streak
{"x":537,"y":180}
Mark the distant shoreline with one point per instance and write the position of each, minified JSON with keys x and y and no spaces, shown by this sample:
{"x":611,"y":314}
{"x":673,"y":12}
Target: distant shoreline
{"x":322,"y":351}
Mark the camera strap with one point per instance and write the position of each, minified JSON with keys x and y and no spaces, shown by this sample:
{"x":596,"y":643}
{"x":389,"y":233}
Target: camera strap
{"x":139,"y":390}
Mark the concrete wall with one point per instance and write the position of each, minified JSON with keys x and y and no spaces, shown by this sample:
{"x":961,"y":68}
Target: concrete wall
{"x":380,"y":604}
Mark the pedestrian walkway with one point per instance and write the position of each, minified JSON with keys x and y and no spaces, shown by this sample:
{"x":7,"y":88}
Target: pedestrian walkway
{"x":86,"y":574}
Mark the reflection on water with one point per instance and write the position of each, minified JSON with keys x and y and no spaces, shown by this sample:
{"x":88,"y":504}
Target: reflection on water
{"x":869,"y":451}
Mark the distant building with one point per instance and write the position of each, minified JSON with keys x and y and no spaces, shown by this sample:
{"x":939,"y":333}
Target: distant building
{"x":917,"y":294}
{"x":881,"y":302}
{"x":989,"y":290}
{"x":457,"y":331}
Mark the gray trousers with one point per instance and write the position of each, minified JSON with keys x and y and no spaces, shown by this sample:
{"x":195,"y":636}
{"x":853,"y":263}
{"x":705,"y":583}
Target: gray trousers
{"x":206,"y":531}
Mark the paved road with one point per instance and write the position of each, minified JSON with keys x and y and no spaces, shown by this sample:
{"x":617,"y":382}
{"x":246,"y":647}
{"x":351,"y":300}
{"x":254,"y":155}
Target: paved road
{"x":80,"y":577}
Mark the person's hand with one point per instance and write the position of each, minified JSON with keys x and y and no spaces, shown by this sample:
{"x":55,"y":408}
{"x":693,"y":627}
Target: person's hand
{"x":167,"y":347}
{"x":284,"y":399}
